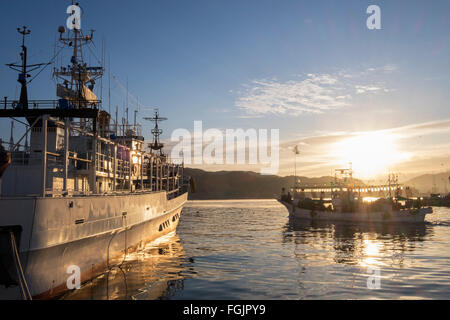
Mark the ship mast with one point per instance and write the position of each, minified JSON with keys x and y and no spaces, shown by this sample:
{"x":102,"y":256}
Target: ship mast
{"x":24,"y":70}
{"x":78,"y":79}
{"x":347,"y":174}
{"x":156,"y":132}
{"x":393,"y":183}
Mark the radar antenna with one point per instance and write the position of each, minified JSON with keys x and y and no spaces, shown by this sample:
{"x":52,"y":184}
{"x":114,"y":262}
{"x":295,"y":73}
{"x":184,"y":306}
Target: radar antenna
{"x":78,"y":79}
{"x":156,"y":132}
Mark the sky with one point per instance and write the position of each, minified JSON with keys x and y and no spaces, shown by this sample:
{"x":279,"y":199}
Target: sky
{"x":311,"y":69}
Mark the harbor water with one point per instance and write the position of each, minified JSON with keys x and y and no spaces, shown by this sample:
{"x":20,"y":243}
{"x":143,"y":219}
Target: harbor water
{"x":250,"y":249}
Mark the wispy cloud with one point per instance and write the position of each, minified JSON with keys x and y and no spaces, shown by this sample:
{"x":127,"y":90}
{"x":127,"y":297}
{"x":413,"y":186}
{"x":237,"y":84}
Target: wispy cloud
{"x":384,"y":69}
{"x":422,"y":129}
{"x":313,"y":93}
{"x":363,"y":89}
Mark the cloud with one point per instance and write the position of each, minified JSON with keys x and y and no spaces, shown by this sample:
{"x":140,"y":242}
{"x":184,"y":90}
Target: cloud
{"x":423,"y":129}
{"x":425,"y":144}
{"x":250,"y":116}
{"x":315,"y":94}
{"x":311,"y":94}
{"x":389,"y":68}
{"x":363,"y":89}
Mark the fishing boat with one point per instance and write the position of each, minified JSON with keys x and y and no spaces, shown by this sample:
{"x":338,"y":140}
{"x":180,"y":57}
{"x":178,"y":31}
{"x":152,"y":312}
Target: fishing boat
{"x":345,"y":200}
{"x":85,"y":191}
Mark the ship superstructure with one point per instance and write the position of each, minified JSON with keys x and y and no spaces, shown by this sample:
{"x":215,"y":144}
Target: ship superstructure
{"x":84,"y":191}
{"x":84,"y":153}
{"x":344,"y":183}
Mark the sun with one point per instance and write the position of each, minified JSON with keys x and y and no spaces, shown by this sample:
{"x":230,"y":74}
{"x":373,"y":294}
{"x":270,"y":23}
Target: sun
{"x":371,"y":153}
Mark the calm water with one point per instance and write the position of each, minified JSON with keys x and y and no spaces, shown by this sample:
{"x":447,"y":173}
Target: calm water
{"x":251,"y":250}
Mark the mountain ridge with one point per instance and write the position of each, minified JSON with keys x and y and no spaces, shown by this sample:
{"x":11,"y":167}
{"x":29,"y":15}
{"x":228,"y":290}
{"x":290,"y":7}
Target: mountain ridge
{"x":211,"y":185}
{"x":223,"y":184}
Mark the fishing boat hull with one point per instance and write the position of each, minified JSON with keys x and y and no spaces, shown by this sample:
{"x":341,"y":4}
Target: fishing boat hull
{"x":93,"y":233}
{"x":402,"y":216}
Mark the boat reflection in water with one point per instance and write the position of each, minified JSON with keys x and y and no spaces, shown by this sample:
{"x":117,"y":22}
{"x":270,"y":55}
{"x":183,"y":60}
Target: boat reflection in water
{"x":364,"y":245}
{"x":156,"y":272}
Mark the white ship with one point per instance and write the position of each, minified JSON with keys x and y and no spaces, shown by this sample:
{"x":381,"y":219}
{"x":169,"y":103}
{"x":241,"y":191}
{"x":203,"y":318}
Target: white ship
{"x":344,"y":200}
{"x":84,"y":192}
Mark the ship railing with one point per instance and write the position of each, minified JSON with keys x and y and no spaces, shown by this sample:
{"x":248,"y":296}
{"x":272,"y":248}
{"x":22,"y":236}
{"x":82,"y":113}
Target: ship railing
{"x":123,"y":168}
{"x":37,"y":104}
{"x":54,"y":159}
{"x":118,"y":192}
{"x":102,"y":163}
{"x":174,"y":193}
{"x":128,"y":129}
{"x":171,"y":194}
{"x":105,"y":164}
{"x":26,"y":158}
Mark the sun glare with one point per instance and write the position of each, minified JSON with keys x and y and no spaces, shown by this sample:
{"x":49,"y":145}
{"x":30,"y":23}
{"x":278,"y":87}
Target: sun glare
{"x":371,"y":154}
{"x":371,"y":253}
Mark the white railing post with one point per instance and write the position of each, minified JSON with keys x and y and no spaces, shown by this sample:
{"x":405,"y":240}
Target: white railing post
{"x":151,"y":172}
{"x":44,"y":154}
{"x":93,"y":184}
{"x":66,"y":153}
{"x":142,"y":171}
{"x":115,"y":166}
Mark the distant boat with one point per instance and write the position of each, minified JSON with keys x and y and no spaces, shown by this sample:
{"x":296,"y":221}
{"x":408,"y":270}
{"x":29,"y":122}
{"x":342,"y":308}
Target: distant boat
{"x":353,"y":203}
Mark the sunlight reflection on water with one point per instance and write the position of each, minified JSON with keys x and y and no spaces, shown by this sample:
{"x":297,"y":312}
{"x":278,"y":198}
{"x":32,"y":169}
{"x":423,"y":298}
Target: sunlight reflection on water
{"x":250,"y":249}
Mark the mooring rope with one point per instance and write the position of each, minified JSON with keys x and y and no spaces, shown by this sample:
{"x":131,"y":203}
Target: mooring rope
{"x":22,"y":281}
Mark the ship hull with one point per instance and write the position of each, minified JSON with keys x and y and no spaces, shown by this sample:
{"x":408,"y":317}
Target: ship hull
{"x":403,"y":216}
{"x":92,"y":233}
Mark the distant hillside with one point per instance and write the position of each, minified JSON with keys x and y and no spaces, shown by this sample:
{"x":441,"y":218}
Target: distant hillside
{"x":431,"y":183}
{"x":252,"y":185}
{"x":243,"y":184}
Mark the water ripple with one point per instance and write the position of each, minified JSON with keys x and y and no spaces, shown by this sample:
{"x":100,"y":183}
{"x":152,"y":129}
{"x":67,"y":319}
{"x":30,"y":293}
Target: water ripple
{"x":251,"y":250}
